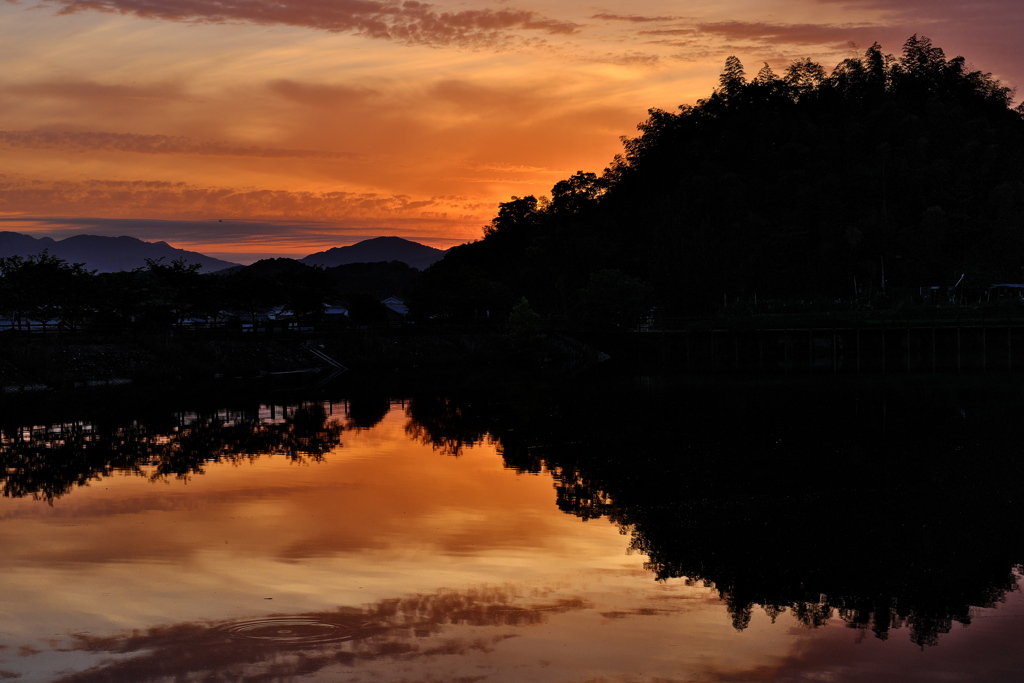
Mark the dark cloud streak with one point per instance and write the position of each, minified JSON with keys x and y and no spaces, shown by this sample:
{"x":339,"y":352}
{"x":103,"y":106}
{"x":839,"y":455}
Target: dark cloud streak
{"x":803,"y":34}
{"x":669,"y":32}
{"x":191,"y":201}
{"x":408,"y":22}
{"x":633,"y":18}
{"x":147,"y":144}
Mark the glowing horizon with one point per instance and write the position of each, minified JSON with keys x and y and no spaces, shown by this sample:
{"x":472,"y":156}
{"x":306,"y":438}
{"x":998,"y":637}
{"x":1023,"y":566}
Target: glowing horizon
{"x":242,"y":127}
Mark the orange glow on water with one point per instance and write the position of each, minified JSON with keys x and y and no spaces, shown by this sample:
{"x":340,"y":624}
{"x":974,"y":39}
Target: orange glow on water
{"x":388,"y":560}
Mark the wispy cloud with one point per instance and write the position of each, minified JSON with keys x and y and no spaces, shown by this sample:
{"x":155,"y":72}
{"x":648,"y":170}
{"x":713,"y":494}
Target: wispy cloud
{"x":915,"y":7}
{"x":408,"y":21}
{"x":146,"y":144}
{"x":629,"y":59}
{"x":515,"y":168}
{"x":90,"y":92}
{"x":134,"y":197}
{"x":634,"y":18}
{"x":670,"y":32}
{"x":802,"y":34}
{"x":320,"y":94}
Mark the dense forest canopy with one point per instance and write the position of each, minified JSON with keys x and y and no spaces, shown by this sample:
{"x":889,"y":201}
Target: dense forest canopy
{"x":884,"y":173}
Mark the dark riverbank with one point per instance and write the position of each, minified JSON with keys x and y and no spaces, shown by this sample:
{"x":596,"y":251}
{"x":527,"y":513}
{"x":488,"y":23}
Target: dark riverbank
{"x":720,"y":344}
{"x":52,"y":362}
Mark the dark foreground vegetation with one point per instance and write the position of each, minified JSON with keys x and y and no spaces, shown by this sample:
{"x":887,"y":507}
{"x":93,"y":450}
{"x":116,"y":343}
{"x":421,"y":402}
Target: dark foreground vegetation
{"x":834,"y":190}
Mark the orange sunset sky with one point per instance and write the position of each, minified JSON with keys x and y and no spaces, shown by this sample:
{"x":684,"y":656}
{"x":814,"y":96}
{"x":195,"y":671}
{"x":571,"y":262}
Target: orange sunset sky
{"x":253,"y":128}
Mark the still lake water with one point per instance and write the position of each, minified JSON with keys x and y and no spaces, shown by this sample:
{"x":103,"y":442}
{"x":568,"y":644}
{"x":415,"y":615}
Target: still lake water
{"x":620,"y":530}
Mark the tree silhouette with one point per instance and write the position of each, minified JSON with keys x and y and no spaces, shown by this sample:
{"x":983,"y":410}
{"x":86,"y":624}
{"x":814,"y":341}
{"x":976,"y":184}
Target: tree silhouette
{"x":784,"y":187}
{"x":45,"y":288}
{"x":733,"y":79}
{"x":172,"y":292}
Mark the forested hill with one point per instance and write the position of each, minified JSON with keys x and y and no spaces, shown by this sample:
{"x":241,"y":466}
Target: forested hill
{"x":799,"y":185}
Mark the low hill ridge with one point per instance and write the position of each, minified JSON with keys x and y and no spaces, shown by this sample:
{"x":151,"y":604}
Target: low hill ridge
{"x":375,"y":250}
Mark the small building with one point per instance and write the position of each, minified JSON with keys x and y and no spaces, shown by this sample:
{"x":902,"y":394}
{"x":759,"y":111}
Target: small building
{"x":940,"y":295}
{"x":335,"y":311}
{"x":1005,"y":291}
{"x":935,"y":295}
{"x":397,"y":305}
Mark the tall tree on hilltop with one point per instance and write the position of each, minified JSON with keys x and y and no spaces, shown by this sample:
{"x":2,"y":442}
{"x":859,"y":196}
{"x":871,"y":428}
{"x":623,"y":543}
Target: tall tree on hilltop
{"x":921,"y":57}
{"x":577,"y":193}
{"x":877,"y":66}
{"x":516,"y":219}
{"x":733,"y":79}
{"x":803,"y":77}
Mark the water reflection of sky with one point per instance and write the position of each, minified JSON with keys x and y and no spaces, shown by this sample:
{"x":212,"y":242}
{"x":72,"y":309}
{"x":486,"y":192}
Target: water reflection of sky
{"x":388,"y":561}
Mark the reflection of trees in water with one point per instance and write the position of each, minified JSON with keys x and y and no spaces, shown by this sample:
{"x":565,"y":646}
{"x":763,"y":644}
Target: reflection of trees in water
{"x":877,"y":572}
{"x":448,"y":424}
{"x":886,"y":505}
{"x":366,"y":411}
{"x":48,"y":461}
{"x":411,"y":628}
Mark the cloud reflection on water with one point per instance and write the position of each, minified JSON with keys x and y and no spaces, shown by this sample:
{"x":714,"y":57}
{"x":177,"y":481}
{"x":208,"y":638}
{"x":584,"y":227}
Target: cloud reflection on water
{"x":403,"y":629}
{"x":167,"y":589}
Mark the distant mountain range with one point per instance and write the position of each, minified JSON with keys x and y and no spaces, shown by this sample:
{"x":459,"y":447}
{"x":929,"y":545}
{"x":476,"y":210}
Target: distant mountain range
{"x":105,"y":254}
{"x":377,"y":249}
{"x":111,"y":254}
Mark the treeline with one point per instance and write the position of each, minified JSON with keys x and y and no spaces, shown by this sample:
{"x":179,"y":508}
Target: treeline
{"x":47,"y":290}
{"x":884,"y":173}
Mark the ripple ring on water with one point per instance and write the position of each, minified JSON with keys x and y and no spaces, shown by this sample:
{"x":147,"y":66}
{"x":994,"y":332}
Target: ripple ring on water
{"x":288,"y":631}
